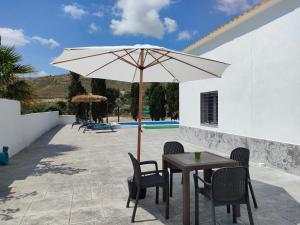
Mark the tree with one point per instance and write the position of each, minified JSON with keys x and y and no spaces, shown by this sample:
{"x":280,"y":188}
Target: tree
{"x":123,"y":103}
{"x":172,"y":98}
{"x":19,"y":90}
{"x":157,"y":101}
{"x":11,"y":86}
{"x":98,"y":108}
{"x":62,"y":106}
{"x":76,"y":88}
{"x":134,"y":103}
{"x":112,"y":94}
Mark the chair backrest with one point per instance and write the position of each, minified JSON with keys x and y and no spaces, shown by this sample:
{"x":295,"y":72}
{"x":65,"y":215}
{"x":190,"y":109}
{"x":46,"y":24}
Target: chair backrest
{"x":136,"y":168}
{"x":241,"y":155}
{"x":173,"y":147}
{"x":229,"y":184}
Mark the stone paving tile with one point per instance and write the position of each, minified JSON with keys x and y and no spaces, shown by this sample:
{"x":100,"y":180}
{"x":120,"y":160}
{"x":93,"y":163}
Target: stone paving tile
{"x":50,"y":205}
{"x":47,"y":218}
{"x":71,"y":178}
{"x":10,"y":220}
{"x":86,"y":214}
{"x":86,"y":204}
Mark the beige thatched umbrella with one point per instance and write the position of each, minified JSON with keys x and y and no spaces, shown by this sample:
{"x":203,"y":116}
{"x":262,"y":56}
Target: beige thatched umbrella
{"x":89,"y":98}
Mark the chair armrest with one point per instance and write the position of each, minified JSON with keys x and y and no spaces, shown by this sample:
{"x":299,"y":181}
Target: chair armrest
{"x":154,"y":171}
{"x":150,"y":162}
{"x":202,"y":180}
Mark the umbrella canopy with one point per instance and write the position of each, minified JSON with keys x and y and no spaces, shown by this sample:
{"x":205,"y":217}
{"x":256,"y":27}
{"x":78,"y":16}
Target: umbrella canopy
{"x":88,"y":98}
{"x":138,"y":63}
{"x":122,"y":63}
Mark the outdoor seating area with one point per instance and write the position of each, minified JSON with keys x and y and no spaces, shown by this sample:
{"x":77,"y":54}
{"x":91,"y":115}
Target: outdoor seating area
{"x":67,"y":177}
{"x":150,"y":112}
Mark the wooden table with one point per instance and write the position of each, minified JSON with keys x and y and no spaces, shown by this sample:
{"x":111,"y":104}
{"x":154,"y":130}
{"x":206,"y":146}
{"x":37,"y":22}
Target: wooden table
{"x":187,"y":163}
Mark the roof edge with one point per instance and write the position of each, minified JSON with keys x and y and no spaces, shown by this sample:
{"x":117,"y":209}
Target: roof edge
{"x":231,"y":24}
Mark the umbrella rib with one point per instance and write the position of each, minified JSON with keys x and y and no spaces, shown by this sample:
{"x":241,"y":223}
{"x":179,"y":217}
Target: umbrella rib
{"x":132,"y":58}
{"x":145,"y":56}
{"x":135,"y":69}
{"x":106,"y":64}
{"x":194,"y":56}
{"x":134,"y":74}
{"x":89,"y":56}
{"x":155,"y":62}
{"x":158,"y":62}
{"x":188,"y":64}
{"x":125,"y":60}
{"x":165,"y":68}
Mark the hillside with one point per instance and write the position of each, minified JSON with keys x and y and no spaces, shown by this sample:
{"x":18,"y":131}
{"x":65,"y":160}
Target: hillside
{"x":56,"y":87}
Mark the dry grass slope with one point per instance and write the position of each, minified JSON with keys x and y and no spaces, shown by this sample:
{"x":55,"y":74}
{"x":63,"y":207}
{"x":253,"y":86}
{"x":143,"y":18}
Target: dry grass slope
{"x":56,"y":87}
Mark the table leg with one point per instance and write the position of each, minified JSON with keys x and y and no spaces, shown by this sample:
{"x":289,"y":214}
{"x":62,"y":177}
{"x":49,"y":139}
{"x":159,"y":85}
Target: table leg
{"x":238,"y":210}
{"x":186,"y":197}
{"x":165,"y":167}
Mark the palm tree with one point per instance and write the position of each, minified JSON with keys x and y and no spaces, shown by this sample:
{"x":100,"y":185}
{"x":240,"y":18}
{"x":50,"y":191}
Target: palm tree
{"x":10,"y":67}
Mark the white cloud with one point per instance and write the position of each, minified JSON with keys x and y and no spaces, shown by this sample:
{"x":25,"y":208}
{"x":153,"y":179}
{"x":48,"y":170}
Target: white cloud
{"x":93,"y":28}
{"x":99,"y":13}
{"x":36,"y":74}
{"x":42,"y":74}
{"x":74,"y":10}
{"x":13,"y":37}
{"x":170,"y":25}
{"x":233,"y":7}
{"x":51,"y":42}
{"x":102,"y":10}
{"x":139,"y":17}
{"x":184,"y":35}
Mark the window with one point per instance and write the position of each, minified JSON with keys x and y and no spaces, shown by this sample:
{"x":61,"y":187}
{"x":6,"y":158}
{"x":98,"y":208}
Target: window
{"x":209,"y":108}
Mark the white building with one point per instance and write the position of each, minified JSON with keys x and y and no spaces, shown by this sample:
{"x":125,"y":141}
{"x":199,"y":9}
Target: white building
{"x":256,"y":104}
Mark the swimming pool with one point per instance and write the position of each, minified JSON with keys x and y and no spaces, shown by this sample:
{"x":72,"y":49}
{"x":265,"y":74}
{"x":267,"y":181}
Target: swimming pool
{"x":151,"y":123}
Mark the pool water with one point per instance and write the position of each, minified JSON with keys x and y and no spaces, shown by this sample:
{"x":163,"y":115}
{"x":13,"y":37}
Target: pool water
{"x":151,"y":123}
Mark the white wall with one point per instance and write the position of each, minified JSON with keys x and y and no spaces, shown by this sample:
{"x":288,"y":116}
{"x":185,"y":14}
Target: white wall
{"x":259,"y":93}
{"x":67,"y":119}
{"x":18,"y":131}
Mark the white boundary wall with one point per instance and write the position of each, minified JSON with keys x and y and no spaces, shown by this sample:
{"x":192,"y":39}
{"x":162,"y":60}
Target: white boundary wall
{"x":18,"y":131}
{"x":66,"y":119}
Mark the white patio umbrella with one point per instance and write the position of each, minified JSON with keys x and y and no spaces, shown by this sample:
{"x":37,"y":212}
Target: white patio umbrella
{"x":138,"y":63}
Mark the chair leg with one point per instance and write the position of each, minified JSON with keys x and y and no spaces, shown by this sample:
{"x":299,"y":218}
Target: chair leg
{"x":157,"y":195}
{"x":196,"y":207}
{"x":128,"y":201}
{"x":252,"y":194}
{"x":228,"y":209}
{"x":213,"y":214}
{"x":181,"y":179}
{"x":249,"y":212}
{"x":167,"y":201}
{"x":171,"y":184}
{"x":135,"y":206}
{"x":234,"y":214}
{"x":130,"y":191}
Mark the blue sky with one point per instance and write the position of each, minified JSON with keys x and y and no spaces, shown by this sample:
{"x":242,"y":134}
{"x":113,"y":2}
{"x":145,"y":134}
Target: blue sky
{"x":40,"y":30}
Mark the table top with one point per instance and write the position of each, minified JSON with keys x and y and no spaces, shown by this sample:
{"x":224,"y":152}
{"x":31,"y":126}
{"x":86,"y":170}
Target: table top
{"x":187,"y":161}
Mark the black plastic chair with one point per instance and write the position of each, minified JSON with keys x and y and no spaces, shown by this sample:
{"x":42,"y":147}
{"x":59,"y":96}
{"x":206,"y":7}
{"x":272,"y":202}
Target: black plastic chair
{"x":229,"y":186}
{"x":148,"y":179}
{"x":242,"y":156}
{"x":173,"y":147}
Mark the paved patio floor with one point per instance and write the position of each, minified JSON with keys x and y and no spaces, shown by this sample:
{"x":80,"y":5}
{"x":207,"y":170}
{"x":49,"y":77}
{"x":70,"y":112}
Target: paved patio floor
{"x":67,"y":177}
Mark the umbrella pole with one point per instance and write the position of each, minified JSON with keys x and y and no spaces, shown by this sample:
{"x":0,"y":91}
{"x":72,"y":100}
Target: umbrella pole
{"x":140,"y":106}
{"x":90,"y":112}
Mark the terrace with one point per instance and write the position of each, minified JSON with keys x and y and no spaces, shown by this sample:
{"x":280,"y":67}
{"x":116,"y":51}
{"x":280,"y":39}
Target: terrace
{"x":70,"y":178}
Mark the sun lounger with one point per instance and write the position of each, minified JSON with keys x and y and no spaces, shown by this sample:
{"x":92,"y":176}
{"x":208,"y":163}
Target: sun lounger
{"x":100,"y":126}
